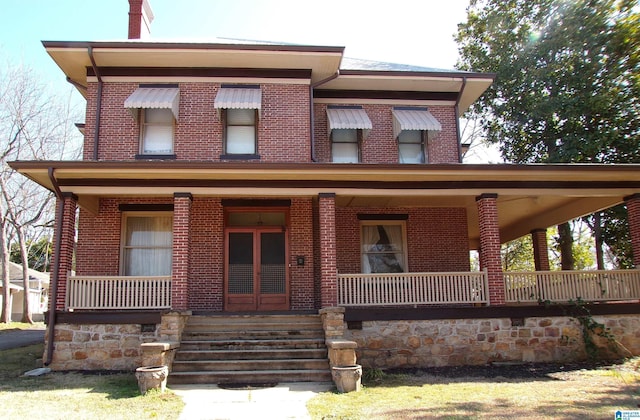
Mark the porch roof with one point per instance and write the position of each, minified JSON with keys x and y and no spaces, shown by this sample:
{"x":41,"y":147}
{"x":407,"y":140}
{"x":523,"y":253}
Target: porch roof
{"x":529,"y":196}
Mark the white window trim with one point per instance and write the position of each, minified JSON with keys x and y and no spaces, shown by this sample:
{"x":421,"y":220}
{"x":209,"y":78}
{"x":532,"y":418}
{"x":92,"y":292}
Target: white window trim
{"x":403,"y":226}
{"x":123,"y":231}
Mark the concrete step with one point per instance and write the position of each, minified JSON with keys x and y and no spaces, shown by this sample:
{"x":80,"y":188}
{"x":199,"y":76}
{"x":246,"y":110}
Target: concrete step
{"x":249,"y":365}
{"x":228,"y":320}
{"x":251,"y":376}
{"x":251,"y":354}
{"x":264,"y":326}
{"x":298,"y":343}
{"x":250,"y":334}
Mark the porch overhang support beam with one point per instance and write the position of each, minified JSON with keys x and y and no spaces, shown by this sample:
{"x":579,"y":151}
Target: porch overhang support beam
{"x":490,"y":258}
{"x":328,"y":254}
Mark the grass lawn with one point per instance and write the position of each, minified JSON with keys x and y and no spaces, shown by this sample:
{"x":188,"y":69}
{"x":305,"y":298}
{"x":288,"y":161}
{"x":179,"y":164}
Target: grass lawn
{"x":75,"y":395}
{"x":13,"y":326}
{"x":556,"y":392}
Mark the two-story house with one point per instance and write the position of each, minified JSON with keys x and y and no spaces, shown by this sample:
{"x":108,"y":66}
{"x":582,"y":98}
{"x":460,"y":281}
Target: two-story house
{"x":233,"y":181}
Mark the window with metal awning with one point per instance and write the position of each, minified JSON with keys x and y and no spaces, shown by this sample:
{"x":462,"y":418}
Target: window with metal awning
{"x":239,"y":97}
{"x":153,"y":98}
{"x":414,"y":119}
{"x":348,"y":118}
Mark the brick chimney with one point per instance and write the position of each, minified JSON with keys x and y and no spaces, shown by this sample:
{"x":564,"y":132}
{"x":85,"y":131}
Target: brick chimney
{"x":140,"y":18}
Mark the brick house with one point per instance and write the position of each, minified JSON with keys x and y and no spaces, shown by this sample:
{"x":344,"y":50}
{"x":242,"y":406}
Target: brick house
{"x":252,"y":179}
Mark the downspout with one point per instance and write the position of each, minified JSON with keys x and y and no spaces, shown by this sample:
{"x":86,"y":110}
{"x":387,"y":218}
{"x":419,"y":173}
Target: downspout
{"x":312,"y":122}
{"x":464,"y":83}
{"x":96,"y":132}
{"x":56,"y":268}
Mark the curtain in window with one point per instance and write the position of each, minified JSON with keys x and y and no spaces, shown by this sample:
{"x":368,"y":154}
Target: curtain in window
{"x":158,"y":131}
{"x":148,"y":246}
{"x":241,"y":131}
{"x":382,"y":249}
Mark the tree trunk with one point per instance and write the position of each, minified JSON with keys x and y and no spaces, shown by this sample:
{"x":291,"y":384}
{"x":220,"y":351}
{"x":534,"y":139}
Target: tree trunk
{"x":26,"y":307}
{"x":565,"y":239}
{"x":597,"y":233}
{"x":6,"y":279}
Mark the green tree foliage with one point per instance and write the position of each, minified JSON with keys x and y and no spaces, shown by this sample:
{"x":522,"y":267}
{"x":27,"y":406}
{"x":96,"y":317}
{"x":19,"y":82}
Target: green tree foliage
{"x":39,"y":254}
{"x":567,"y":85}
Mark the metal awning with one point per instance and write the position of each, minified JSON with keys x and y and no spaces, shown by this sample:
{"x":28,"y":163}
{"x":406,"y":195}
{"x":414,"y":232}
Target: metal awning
{"x":349,"y":118}
{"x":414,"y":119}
{"x":249,"y":97}
{"x":155,"y":98}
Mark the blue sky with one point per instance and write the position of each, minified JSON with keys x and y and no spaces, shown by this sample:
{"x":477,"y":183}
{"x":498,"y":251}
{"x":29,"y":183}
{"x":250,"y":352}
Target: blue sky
{"x":417,"y":32}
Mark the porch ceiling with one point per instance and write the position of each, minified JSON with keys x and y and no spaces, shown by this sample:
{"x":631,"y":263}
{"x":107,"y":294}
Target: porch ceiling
{"x":529,"y":196}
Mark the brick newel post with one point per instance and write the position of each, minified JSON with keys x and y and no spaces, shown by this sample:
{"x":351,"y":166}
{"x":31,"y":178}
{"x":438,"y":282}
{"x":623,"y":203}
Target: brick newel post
{"x":540,"y":249}
{"x":68,"y":227}
{"x":490,"y":259}
{"x":180,"y":263}
{"x":328,"y":267}
{"x":633,"y":217}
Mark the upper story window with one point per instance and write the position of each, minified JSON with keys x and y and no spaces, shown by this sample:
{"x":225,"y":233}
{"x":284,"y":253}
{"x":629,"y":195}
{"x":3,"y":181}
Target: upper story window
{"x":157,"y":132}
{"x":156,"y":108}
{"x":348,"y":127}
{"x":240,"y":131}
{"x":413,"y":126}
{"x":345,"y":147}
{"x":239,"y":106}
{"x":411,"y":147}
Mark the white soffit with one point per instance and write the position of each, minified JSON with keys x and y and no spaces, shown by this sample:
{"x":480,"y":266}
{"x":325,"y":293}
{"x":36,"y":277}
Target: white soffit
{"x":414,"y":119}
{"x":154,"y":98}
{"x":348,"y":118}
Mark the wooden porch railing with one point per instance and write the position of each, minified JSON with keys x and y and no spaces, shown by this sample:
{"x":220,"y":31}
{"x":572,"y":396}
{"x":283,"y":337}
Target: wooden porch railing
{"x":116,"y":292}
{"x":412,"y":289}
{"x":562,"y":286}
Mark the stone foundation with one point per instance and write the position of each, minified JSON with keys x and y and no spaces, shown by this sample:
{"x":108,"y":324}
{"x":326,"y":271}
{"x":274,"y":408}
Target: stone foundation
{"x":109,"y":346}
{"x":424,"y":343}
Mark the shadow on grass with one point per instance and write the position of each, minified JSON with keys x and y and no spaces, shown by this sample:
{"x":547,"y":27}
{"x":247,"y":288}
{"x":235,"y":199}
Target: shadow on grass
{"x":15,"y":362}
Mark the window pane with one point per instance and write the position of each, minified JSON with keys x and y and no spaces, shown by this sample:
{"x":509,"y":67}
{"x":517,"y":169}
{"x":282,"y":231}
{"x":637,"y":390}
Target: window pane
{"x":241,"y":116}
{"x":411,"y":153}
{"x":158,"y":139}
{"x":241,"y":139}
{"x":410,"y":136}
{"x":344,"y":152}
{"x":344,"y":136}
{"x":382,"y":249}
{"x":148,"y":244}
{"x":155,"y":116}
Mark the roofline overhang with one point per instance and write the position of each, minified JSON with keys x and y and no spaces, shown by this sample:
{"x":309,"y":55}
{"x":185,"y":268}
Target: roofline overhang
{"x":155,"y":45}
{"x":579,"y":175}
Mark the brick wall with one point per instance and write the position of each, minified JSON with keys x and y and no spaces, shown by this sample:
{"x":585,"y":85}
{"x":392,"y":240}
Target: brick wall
{"x":98,"y":251}
{"x":283,"y":128}
{"x":301,"y":244}
{"x":380,"y":146}
{"x":206,"y":281}
{"x":436,"y":238}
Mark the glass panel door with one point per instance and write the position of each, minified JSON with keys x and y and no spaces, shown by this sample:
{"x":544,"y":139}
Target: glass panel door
{"x":272,"y":263}
{"x":256,"y":270}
